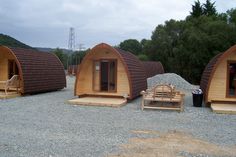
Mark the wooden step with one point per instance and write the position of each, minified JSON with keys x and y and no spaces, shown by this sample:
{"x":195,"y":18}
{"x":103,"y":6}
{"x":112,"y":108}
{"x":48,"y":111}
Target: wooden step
{"x":223,"y":107}
{"x":99,"y":101}
{"x":162,"y":108}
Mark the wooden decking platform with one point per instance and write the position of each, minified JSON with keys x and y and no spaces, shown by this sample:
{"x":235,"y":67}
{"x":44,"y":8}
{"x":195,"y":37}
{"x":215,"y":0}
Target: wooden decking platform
{"x":9,"y":95}
{"x":99,"y":101}
{"x":223,"y":108}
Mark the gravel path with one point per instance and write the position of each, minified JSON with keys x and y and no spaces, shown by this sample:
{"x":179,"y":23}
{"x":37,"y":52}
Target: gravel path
{"x":44,"y":125}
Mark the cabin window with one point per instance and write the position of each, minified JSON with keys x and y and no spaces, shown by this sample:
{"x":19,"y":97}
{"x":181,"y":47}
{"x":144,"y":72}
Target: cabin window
{"x":12,"y":68}
{"x":105,"y":75}
{"x":231,"y":92}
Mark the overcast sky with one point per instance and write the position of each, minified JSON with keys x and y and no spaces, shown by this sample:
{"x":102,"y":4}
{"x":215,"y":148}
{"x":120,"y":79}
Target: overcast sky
{"x":46,"y":23}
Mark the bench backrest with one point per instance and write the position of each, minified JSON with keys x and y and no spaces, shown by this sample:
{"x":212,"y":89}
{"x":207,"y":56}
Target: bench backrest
{"x":163,"y":91}
{"x":14,"y":81}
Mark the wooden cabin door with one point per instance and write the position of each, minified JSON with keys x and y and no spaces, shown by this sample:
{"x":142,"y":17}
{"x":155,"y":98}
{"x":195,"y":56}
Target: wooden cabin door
{"x":12,"y":68}
{"x":105,"y":75}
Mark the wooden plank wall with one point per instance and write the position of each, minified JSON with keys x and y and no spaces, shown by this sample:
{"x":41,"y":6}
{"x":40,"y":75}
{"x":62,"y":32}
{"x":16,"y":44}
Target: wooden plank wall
{"x":4,"y":57}
{"x":217,"y":89}
{"x":85,"y":79}
{"x":96,"y":76}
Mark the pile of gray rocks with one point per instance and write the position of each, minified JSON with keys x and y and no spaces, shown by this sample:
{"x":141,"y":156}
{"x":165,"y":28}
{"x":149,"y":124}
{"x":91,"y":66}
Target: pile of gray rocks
{"x":173,"y":79}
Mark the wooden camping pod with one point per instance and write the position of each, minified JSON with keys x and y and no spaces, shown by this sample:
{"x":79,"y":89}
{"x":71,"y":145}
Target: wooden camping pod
{"x":38,"y":71}
{"x":153,"y":68}
{"x":216,"y":77}
{"x":72,"y":69}
{"x":128,"y":73}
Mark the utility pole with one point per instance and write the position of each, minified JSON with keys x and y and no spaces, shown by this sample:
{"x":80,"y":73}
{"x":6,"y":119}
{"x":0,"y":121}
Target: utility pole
{"x":71,"y":45}
{"x":81,"y":47}
{"x":71,"y":41}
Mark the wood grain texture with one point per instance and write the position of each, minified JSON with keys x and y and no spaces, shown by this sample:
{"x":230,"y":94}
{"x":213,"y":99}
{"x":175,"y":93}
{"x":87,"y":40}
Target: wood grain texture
{"x":87,"y":76}
{"x":217,"y":88}
{"x":4,"y":57}
{"x":99,"y":101}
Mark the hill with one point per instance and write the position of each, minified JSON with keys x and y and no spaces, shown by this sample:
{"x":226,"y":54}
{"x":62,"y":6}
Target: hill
{"x":11,"y":42}
{"x":43,"y":49}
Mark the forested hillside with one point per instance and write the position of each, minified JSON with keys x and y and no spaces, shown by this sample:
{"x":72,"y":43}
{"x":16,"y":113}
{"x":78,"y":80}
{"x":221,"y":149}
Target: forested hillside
{"x":185,"y":47}
{"x":11,"y":42}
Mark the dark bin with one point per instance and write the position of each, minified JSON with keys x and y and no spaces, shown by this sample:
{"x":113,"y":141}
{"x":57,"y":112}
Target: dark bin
{"x":197,"y":100}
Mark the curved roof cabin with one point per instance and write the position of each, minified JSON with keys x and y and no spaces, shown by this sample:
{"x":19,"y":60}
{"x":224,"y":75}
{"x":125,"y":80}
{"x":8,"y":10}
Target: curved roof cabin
{"x":72,"y":69}
{"x":218,"y":80}
{"x":38,"y":71}
{"x":108,"y":71}
{"x":153,"y":68}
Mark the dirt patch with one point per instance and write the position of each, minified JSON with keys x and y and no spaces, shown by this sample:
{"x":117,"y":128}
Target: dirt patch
{"x":172,"y":144}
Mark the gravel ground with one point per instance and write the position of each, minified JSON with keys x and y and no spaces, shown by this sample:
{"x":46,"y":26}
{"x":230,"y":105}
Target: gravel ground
{"x":44,"y":125}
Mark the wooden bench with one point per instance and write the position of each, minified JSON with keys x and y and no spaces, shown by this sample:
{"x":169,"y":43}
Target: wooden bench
{"x":163,"y":96}
{"x":14,"y":82}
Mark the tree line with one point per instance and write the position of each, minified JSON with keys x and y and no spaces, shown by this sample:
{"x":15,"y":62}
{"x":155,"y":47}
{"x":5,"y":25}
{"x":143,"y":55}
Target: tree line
{"x":186,"y":46}
{"x":70,"y":58}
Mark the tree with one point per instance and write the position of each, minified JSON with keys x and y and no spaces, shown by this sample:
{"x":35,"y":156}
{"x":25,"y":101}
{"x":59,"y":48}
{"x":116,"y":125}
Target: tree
{"x":209,"y":8}
{"x":131,"y":45}
{"x":223,"y":16}
{"x":62,"y":56}
{"x":163,"y":40}
{"x":143,"y":57}
{"x":232,"y":15}
{"x":197,"y":9}
{"x":185,"y":47}
{"x":144,"y":42}
{"x":77,"y":57}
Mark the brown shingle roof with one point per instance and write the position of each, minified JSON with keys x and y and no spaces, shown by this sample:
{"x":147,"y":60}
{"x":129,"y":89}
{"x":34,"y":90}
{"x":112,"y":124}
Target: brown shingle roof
{"x":41,"y":71}
{"x":136,"y":73}
{"x":152,"y":68}
{"x":205,"y":79}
